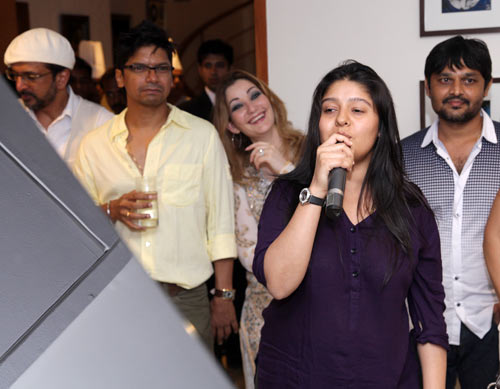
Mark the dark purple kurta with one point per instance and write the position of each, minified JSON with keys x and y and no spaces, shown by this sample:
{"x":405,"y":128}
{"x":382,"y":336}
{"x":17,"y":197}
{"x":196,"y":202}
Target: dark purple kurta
{"x":342,"y":328}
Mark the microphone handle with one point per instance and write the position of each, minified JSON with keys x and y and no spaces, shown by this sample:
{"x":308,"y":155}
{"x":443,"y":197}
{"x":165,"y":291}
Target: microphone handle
{"x":335,"y":195}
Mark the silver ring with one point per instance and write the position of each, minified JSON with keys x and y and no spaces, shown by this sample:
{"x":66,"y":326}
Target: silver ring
{"x":261,"y":151}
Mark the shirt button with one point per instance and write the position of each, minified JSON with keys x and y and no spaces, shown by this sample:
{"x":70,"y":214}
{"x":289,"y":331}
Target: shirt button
{"x":148,"y":244}
{"x":456,"y":278}
{"x":355,"y":274}
{"x":353,"y":229}
{"x":353,"y":251}
{"x":458,"y":304}
{"x":457,"y":215}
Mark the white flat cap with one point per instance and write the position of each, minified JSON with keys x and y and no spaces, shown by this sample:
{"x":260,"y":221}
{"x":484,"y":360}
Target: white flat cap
{"x":40,"y":45}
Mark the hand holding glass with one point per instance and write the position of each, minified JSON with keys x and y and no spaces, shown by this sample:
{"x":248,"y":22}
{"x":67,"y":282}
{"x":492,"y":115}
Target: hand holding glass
{"x":147,"y":185}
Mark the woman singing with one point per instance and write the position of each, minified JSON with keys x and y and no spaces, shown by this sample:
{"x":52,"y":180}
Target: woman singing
{"x":339,"y":318}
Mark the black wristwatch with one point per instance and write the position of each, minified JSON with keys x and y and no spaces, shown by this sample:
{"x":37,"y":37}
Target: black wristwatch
{"x":305,"y":197}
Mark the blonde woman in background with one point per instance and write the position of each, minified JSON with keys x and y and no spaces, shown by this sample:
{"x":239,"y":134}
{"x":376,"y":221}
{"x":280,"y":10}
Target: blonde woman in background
{"x":260,"y":144}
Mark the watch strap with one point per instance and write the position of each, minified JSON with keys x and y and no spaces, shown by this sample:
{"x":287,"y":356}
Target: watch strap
{"x":226,"y":294}
{"x":316,"y":200}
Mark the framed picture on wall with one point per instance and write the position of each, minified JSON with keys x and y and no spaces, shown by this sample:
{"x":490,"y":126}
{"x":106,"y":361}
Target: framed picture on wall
{"x":491,"y":104}
{"x":451,"y":17}
{"x":75,"y":28}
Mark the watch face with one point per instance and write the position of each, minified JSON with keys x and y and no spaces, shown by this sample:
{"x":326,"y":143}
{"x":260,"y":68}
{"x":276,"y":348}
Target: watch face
{"x":304,"y":196}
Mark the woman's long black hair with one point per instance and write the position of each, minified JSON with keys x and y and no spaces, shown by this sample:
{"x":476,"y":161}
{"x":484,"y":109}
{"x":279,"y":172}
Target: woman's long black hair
{"x":385,"y":180}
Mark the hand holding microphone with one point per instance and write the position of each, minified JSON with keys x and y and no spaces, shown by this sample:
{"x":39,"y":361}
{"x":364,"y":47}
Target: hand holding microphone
{"x":334,"y":155}
{"x":335,"y":195}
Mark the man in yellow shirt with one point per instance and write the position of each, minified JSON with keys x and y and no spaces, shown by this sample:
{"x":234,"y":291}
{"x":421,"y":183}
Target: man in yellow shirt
{"x":194,"y":188}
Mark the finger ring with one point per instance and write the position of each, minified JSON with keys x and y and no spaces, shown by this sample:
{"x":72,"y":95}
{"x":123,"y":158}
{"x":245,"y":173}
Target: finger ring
{"x":128,"y":213}
{"x":261,"y":151}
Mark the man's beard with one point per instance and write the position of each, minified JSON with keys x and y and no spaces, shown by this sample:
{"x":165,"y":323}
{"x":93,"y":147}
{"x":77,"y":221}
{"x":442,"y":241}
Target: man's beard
{"x":466,"y":116}
{"x":40,"y":102}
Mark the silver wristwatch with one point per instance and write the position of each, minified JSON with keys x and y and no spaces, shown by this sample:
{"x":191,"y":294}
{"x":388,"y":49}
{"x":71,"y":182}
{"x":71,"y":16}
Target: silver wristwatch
{"x":305,"y":197}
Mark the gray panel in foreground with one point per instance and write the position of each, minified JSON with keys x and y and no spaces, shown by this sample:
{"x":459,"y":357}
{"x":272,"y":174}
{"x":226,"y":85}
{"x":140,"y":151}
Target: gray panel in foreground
{"x":129,"y":337}
{"x":76,"y":309}
{"x":44,"y":254}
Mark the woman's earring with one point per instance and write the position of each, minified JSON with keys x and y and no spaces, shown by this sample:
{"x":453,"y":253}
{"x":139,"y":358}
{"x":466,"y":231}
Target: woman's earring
{"x":236,"y":142}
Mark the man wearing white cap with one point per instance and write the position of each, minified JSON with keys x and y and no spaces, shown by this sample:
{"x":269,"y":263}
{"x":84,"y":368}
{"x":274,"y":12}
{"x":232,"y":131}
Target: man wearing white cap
{"x":40,"y":61}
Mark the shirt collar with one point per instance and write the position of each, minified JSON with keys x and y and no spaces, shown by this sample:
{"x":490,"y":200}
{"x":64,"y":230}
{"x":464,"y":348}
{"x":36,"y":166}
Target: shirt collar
{"x":487,"y":132}
{"x":119,"y":127}
{"x":71,"y":104}
{"x":210,"y":94}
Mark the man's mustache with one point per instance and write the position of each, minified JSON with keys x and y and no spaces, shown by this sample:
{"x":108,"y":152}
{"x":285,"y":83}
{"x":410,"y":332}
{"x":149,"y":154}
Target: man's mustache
{"x":25,"y":93}
{"x":152,"y":86}
{"x":462,"y":99}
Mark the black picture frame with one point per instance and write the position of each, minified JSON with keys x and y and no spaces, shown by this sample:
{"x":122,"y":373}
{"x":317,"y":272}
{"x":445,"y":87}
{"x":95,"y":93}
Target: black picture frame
{"x":477,"y":19}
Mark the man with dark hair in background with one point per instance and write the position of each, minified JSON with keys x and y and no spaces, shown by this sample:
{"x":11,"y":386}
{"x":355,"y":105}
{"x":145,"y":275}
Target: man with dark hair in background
{"x":115,"y":97}
{"x":81,"y":81}
{"x":456,"y":164}
{"x":215,"y":59}
{"x":39,"y":61}
{"x":151,"y":138}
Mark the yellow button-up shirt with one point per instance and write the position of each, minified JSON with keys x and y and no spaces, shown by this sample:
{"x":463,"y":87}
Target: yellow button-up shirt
{"x":195,"y":194}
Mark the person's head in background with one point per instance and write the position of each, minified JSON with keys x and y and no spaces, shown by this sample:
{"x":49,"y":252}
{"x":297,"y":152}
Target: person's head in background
{"x":215,"y":59}
{"x":39,"y":62}
{"x":116,"y":97}
{"x":247,"y":111}
{"x":81,"y":81}
{"x":458,"y":78}
{"x":144,"y":65}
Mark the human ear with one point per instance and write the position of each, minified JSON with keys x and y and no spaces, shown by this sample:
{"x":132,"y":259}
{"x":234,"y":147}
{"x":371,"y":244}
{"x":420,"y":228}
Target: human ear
{"x":487,"y":88}
{"x":119,"y":78}
{"x":62,"y":79}
{"x":427,"y":88}
{"x":232,"y":128}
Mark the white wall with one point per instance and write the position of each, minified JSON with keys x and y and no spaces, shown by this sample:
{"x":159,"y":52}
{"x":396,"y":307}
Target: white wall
{"x":306,"y":39}
{"x":46,"y":13}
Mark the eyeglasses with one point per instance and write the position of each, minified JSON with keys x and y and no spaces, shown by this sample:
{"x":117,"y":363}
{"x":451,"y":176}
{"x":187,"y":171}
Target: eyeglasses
{"x":26,"y":77}
{"x":141,"y":68}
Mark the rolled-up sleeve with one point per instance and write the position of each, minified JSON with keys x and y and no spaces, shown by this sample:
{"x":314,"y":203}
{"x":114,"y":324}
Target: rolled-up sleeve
{"x":218,"y":192}
{"x":426,"y":295}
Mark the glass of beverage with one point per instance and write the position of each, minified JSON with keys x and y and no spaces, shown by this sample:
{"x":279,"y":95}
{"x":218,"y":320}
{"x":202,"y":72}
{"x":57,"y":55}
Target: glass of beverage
{"x":147,"y":185}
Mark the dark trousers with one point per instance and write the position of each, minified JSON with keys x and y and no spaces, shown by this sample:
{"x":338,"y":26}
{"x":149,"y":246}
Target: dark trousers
{"x":475,"y":361}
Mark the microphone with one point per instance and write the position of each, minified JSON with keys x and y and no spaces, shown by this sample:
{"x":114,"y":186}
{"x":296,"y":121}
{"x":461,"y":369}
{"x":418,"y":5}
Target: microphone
{"x":335,"y":195}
